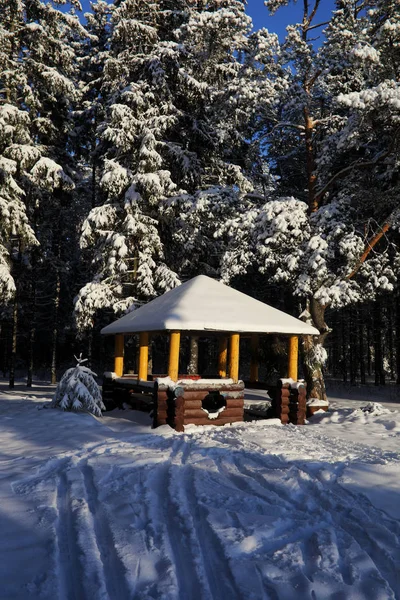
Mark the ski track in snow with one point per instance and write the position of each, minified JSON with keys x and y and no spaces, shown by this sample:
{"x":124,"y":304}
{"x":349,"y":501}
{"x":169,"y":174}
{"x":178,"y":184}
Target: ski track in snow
{"x":69,"y":568}
{"x":114,"y":572}
{"x":228,"y":513}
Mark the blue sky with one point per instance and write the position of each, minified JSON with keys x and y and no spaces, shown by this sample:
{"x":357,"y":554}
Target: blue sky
{"x":284,"y":16}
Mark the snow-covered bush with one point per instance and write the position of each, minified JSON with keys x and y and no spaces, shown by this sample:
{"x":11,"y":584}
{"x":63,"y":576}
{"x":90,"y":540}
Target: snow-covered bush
{"x":77,"y":390}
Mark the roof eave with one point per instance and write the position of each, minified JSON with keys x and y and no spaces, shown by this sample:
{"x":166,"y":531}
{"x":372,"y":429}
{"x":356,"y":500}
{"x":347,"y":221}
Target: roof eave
{"x":206,"y":330}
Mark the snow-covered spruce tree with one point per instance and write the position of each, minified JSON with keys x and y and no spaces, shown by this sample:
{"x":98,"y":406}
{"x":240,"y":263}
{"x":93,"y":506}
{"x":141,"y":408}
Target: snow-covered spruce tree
{"x":15,"y":232}
{"x":93,"y":53}
{"x":17,"y":238}
{"x":121,"y":235}
{"x":332,"y":130}
{"x":37,"y":79}
{"x":17,"y":151}
{"x":85,"y":142}
{"x":213,"y":131}
{"x":78,"y":390}
{"x":166,"y":134}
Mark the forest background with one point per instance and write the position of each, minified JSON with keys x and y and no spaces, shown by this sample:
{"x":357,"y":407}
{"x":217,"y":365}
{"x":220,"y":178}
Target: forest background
{"x":146,"y":142}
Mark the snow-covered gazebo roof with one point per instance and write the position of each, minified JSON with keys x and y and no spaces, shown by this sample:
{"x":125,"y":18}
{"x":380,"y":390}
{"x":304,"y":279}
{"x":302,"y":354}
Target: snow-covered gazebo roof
{"x":203,"y":304}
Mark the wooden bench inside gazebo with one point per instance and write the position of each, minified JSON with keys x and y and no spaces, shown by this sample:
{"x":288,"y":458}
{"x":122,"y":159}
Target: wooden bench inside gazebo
{"x":205,"y":307}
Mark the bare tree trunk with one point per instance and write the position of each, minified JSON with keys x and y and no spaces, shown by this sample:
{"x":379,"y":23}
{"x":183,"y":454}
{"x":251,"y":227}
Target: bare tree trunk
{"x":352,"y":348}
{"x":102,"y":353}
{"x":390,"y":340}
{"x":398,"y":337}
{"x":31,"y":342}
{"x":55,"y":329}
{"x":369,"y":343}
{"x":344,"y":348}
{"x":90,"y":348}
{"x":361,"y":345}
{"x":5,"y":355}
{"x":14,"y":342}
{"x":312,"y":346}
{"x":379,"y":372}
{"x":310,"y":162}
{"x":32,"y":333}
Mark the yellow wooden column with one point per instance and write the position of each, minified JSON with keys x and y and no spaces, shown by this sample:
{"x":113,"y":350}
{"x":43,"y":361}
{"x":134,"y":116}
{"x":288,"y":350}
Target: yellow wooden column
{"x":254,"y":357}
{"x":174,"y":346}
{"x":119,"y":355}
{"x":293,"y":354}
{"x":234,"y":356}
{"x":143,"y":355}
{"x":222,"y":356}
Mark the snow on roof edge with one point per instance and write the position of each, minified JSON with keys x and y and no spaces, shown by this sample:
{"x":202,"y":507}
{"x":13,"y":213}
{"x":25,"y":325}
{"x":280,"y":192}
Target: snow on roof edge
{"x":205,"y":305}
{"x":109,"y":330}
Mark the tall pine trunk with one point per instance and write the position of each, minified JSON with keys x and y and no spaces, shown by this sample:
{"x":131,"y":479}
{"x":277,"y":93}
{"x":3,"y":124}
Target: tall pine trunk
{"x":398,"y":337}
{"x":379,"y":372}
{"x":361,"y":346}
{"x":343,"y":330}
{"x":390,"y":340}
{"x":5,"y":353}
{"x":31,"y":342}
{"x":352,"y":348}
{"x":55,"y":329}
{"x":32,"y":331}
{"x":90,"y":348}
{"x":14,"y":341}
{"x":312,"y":346}
{"x":369,"y":344}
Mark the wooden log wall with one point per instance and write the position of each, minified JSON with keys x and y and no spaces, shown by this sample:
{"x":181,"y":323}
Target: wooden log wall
{"x":161,"y":397}
{"x":183,"y":406}
{"x":281,"y":402}
{"x":108,"y":393}
{"x":290,"y":403}
{"x":116,"y":391}
{"x":297,"y":405}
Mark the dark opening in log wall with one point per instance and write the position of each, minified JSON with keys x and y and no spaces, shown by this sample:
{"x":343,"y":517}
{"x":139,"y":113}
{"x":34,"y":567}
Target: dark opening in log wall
{"x":186,"y":405}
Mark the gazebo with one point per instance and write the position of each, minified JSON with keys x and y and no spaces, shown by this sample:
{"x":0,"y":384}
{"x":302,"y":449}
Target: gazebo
{"x":204,"y":307}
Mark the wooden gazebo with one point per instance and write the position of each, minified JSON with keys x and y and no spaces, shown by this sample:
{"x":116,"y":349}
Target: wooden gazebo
{"x":201,"y":307}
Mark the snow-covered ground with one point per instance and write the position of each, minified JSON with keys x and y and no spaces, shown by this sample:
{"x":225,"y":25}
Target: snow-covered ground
{"x":108,"y":508}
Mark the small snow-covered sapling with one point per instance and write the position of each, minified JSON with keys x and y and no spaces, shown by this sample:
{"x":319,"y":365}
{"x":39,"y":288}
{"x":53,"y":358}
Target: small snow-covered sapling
{"x":78,"y":390}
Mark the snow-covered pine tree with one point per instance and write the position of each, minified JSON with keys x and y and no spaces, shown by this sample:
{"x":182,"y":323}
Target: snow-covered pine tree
{"x":121,"y":235}
{"x":321,"y":139}
{"x":212,"y":142}
{"x":17,"y":237}
{"x":92,"y":56}
{"x":78,"y":390}
{"x":15,"y":232}
{"x":167,"y":134}
{"x":17,"y":151}
{"x":37,"y":80}
{"x":86,"y":145}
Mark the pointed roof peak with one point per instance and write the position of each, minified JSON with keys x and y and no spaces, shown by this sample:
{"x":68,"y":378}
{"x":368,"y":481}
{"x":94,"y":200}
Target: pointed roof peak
{"x":204,"y":304}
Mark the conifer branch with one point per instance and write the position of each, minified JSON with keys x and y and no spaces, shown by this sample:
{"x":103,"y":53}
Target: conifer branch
{"x":358,"y":165}
{"x":374,"y":240}
{"x":286,"y":124}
